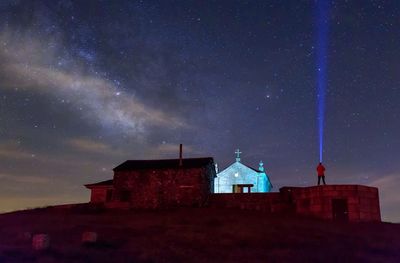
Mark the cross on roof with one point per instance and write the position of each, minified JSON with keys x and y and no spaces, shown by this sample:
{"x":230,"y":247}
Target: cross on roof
{"x":238,"y":152}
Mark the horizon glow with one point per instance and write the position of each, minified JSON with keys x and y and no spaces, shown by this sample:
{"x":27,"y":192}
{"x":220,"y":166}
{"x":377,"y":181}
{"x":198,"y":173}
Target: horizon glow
{"x":321,"y":64}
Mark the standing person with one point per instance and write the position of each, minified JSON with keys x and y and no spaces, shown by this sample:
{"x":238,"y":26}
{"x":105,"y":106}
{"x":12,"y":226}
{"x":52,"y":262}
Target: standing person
{"x":321,"y":173}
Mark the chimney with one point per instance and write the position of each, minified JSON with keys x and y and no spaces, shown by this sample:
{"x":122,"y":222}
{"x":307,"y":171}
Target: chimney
{"x":180,"y":155}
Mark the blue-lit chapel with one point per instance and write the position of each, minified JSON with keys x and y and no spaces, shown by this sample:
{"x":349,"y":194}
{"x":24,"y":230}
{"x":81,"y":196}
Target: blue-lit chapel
{"x":239,"y":177}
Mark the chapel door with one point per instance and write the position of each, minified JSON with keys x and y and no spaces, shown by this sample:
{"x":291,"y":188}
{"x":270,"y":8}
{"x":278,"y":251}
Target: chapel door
{"x":340,"y":210}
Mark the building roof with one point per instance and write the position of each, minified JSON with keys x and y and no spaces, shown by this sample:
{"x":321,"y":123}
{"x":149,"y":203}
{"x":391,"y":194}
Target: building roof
{"x":164,"y":164}
{"x":254,"y":169}
{"x":100,"y":184}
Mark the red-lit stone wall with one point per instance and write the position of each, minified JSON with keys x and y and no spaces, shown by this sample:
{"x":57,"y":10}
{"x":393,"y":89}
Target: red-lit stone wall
{"x":163,"y":188}
{"x":98,"y":195}
{"x":362,"y":201}
{"x":267,"y":202}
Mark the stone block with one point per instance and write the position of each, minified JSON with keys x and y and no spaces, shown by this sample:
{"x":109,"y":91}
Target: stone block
{"x":316,"y":208}
{"x":375,"y":209}
{"x":354,"y":217}
{"x":346,"y":187}
{"x":368,"y":194}
{"x":326,"y":215}
{"x":316,"y":201}
{"x":325,"y":188}
{"x":376,"y":216}
{"x":303,"y":202}
{"x":89,"y":237}
{"x":371,"y":207}
{"x":333,"y":194}
{"x":349,"y":193}
{"x":353,"y":200}
{"x":353,"y":208}
{"x":363,"y":188}
{"x":40,"y":242}
{"x":327,"y":208}
{"x":365,"y":216}
{"x":366,"y":202}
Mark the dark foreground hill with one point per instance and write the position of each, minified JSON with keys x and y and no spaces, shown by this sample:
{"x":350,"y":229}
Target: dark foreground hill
{"x":194,"y":235}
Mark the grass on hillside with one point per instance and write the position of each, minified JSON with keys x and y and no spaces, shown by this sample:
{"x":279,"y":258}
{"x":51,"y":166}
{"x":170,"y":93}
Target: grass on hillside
{"x":194,"y":235}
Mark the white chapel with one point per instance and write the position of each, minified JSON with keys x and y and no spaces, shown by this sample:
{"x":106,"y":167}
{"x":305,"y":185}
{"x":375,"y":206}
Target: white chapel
{"x":240,"y":178}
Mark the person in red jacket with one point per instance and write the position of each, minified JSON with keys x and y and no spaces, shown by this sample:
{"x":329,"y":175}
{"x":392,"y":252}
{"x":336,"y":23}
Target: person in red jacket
{"x":321,"y":173}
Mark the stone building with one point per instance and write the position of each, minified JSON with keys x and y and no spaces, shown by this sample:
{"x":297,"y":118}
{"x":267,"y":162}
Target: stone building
{"x":190,"y":182}
{"x":101,"y":192}
{"x":156,"y":184}
{"x":238,"y":178}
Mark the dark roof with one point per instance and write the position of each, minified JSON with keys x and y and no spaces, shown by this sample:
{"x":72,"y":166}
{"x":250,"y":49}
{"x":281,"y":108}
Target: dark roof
{"x":163,"y":164}
{"x":103,"y":183}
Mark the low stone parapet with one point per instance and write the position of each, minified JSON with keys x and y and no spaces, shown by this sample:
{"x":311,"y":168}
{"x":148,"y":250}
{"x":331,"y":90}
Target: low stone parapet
{"x":267,"y":202}
{"x":339,"y":202}
{"x":354,"y":203}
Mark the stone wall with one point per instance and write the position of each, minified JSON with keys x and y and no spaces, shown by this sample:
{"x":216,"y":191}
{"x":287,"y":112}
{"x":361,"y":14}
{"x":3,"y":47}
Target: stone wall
{"x":267,"y":202}
{"x":361,"y":202}
{"x":163,"y":188}
{"x":98,"y":195}
{"x":357,"y":203}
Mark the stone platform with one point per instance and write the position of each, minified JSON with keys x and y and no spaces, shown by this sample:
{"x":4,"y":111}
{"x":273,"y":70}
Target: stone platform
{"x":355,"y":203}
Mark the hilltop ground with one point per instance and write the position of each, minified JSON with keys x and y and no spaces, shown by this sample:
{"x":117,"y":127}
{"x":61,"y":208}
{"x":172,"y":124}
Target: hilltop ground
{"x":194,"y":235}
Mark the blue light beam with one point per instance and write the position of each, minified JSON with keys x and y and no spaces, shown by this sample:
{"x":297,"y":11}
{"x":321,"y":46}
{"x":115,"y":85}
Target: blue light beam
{"x":321,"y":64}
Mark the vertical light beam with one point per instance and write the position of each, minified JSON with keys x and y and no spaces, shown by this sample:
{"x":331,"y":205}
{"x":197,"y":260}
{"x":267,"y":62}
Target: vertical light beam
{"x":322,"y":24}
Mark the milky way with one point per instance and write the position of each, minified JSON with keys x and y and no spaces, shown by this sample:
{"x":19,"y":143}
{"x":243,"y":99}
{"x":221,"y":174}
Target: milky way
{"x":29,"y":66}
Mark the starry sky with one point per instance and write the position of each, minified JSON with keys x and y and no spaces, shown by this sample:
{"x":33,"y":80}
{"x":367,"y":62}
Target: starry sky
{"x":85,"y":85}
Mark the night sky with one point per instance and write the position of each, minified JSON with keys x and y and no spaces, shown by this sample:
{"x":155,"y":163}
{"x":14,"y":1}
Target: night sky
{"x":86,"y":85}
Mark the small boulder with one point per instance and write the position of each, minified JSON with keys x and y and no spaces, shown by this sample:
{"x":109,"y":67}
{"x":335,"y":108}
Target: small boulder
{"x":89,"y":237}
{"x":40,"y":242}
